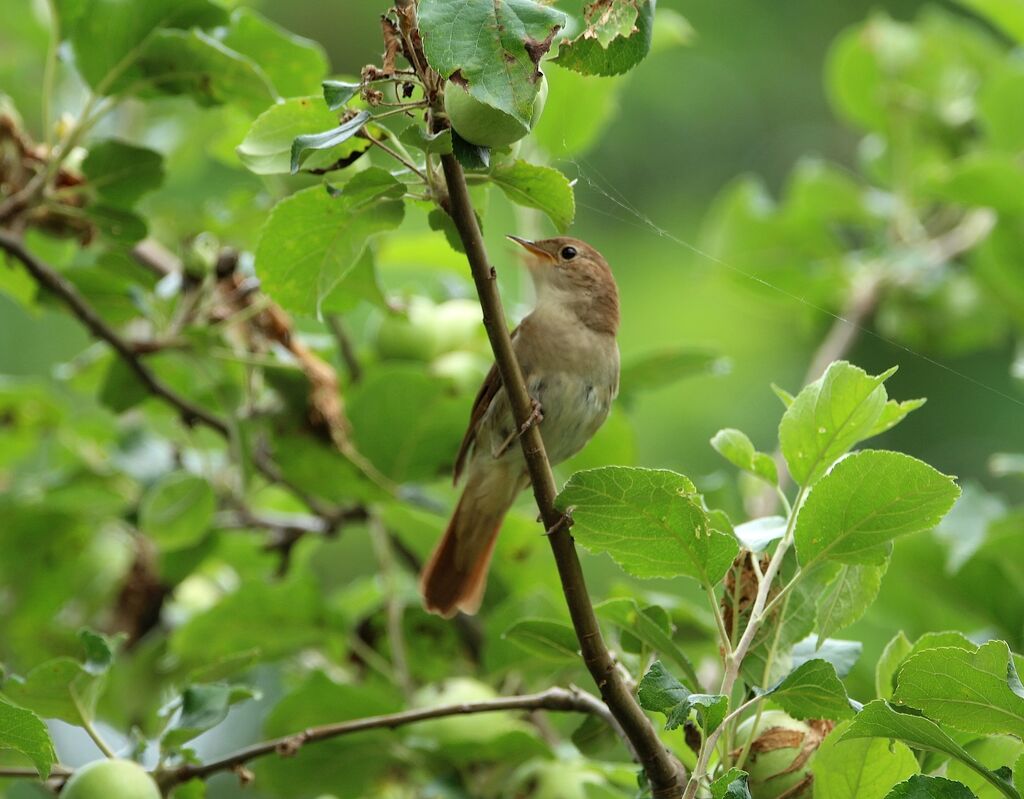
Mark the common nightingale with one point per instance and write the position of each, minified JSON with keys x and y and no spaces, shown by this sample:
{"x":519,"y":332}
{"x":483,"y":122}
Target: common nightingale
{"x":569,"y":358}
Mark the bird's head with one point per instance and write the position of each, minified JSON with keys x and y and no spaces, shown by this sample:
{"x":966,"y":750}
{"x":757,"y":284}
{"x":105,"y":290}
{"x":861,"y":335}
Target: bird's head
{"x":570,"y":272}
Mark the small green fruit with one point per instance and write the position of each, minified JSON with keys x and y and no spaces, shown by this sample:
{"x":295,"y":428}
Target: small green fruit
{"x":778,"y":743}
{"x":111,"y":779}
{"x":414,"y":337}
{"x":484,"y":125}
{"x":465,"y":370}
{"x":458,"y":323}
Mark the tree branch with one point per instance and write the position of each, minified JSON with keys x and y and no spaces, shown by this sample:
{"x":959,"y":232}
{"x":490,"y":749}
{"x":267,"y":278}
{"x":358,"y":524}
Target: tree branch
{"x":661,"y":768}
{"x":52,"y":280}
{"x":571,"y":700}
{"x":57,"y":777}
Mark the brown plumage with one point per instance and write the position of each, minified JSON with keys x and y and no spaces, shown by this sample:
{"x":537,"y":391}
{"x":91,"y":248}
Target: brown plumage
{"x":566,"y":348}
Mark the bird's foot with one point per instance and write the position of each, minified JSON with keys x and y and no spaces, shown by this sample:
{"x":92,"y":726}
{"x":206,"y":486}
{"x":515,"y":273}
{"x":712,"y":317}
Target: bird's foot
{"x":563,"y":524}
{"x":536,"y":417}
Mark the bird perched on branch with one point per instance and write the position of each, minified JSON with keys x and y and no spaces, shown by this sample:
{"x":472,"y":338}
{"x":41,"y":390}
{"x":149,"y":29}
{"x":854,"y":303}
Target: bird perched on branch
{"x":569,"y":358}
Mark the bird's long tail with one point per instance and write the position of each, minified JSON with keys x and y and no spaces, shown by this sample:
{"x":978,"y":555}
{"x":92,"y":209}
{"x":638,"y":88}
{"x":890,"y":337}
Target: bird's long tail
{"x":456,"y":574}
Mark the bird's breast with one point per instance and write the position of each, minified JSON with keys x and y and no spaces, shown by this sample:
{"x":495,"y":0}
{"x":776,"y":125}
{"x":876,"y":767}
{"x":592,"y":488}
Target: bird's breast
{"x":574,"y":407}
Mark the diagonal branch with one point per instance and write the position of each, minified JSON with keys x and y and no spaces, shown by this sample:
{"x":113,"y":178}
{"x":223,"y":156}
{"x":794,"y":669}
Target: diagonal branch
{"x":52,"y":280}
{"x":662,"y":770}
{"x":660,"y":766}
{"x":571,"y":700}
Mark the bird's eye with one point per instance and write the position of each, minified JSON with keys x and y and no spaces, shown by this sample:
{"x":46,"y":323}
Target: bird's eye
{"x":568,"y":253}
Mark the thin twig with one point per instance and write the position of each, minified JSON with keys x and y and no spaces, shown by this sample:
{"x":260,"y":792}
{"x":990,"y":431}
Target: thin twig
{"x":571,"y":700}
{"x":394,"y":154}
{"x":734,"y":660}
{"x":393,"y":606}
{"x":468,"y":628}
{"x":25,"y":772}
{"x":51,"y":279}
{"x":345,"y":347}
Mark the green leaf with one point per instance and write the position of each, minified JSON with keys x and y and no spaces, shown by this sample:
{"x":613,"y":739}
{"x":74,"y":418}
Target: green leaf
{"x":407,"y":446}
{"x":202,"y":708}
{"x":193,"y":789}
{"x":965,"y":528}
{"x":642,"y":623}
{"x":878,"y":719}
{"x":325,"y":140}
{"x":1018,"y":775}
{"x":593,"y":737}
{"x":1005,"y":14}
{"x":361,"y":284}
{"x":757,"y":534}
{"x":784,"y":396}
{"x":656,"y":370}
{"x":99,"y":650}
{"x":540,"y":187}
{"x":294,"y":64}
{"x":848,"y":596}
{"x":550,"y":640}
{"x":868,"y":499}
{"x":23,"y":731}
{"x":57,"y":689}
{"x":735,"y":447}
{"x":892,"y":656}
{"x":813,"y":691}
{"x":1002,"y":117}
{"x":337,"y":93}
{"x":650,"y":521}
{"x":276,"y":618}
{"x":731,"y":785}
{"x":841,"y":653}
{"x":923,"y":787}
{"x":471,"y":156}
{"x":434,"y":143}
{"x":829,"y":417}
{"x":312,"y":240}
{"x":995,"y":752}
{"x":194,"y":63}
{"x":859,"y":769}
{"x":616,"y":37}
{"x":494,"y":47}
{"x":120,"y":173}
{"x":110,"y":34}
{"x":117,"y":224}
{"x":893,"y":413}
{"x":177,"y":511}
{"x":970,"y":691}
{"x":267,"y":147}
{"x":660,"y":692}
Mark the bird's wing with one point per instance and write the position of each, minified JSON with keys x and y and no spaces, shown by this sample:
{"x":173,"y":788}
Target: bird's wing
{"x":490,"y":388}
{"x":484,"y":397}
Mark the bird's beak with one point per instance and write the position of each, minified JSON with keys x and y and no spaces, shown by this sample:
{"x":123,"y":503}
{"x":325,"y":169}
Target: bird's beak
{"x":532,"y":248}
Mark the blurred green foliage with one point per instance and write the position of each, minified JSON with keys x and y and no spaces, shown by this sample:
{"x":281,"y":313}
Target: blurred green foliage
{"x":756,"y":180}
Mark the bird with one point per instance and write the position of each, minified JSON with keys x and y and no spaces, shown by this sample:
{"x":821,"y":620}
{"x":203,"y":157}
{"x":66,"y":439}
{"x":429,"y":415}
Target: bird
{"x":569,"y":356}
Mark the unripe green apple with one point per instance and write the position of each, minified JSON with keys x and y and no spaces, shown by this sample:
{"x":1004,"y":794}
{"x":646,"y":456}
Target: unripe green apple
{"x":412,"y":337}
{"x":484,"y":125}
{"x":778,"y":741}
{"x":457,"y":323}
{"x":465,"y":370}
{"x":111,"y":779}
{"x":458,"y":728}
